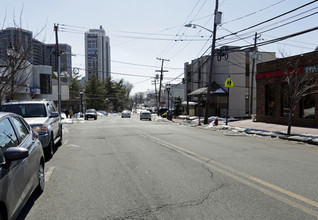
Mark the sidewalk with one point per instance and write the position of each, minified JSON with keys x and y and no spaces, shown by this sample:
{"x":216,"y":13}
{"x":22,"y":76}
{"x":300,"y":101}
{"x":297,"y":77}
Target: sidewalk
{"x":248,"y":123}
{"x":301,"y":134}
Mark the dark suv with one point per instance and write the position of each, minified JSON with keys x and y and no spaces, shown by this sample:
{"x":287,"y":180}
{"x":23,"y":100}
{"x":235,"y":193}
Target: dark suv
{"x":43,"y":117}
{"x":90,"y":113}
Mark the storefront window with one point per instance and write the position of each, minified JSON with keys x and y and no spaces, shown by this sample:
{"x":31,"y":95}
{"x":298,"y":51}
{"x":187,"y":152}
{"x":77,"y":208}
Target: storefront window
{"x":270,"y":105}
{"x":307,"y":107}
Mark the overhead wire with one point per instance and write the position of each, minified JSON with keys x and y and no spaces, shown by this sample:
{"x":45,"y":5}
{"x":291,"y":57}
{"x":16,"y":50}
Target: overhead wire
{"x":261,"y":32}
{"x":255,"y":12}
{"x":268,"y":20}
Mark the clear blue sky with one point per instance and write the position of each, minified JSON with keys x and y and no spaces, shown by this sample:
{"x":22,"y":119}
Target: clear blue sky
{"x":142,"y":30}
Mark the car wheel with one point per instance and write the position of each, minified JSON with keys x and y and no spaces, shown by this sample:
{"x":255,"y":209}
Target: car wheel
{"x":50,"y":149}
{"x":95,"y":118}
{"x":41,"y":176}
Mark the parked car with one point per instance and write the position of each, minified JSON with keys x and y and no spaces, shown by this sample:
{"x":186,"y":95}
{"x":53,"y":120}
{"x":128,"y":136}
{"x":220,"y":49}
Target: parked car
{"x":145,"y":115}
{"x":102,"y":112}
{"x":91,"y":113}
{"x":21,"y":164}
{"x":126,"y":114}
{"x":43,"y":117}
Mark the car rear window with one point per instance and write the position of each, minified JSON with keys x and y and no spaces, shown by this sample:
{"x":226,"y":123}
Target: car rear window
{"x":25,"y":110}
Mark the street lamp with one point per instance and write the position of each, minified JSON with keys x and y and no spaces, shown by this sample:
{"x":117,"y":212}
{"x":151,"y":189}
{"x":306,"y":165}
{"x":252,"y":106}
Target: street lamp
{"x":81,"y":94}
{"x":217,"y":20}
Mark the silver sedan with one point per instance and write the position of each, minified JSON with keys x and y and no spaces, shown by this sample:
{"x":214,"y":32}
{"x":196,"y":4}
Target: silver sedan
{"x":21,"y":164}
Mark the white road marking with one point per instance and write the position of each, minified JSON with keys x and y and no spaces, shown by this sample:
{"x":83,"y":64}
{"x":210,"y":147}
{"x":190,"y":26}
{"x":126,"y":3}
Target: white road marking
{"x":48,"y":174}
{"x":73,"y":145}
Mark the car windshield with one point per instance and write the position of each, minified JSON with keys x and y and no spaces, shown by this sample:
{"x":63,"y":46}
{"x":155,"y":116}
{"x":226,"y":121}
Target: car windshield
{"x":26,"y":110}
{"x":90,"y":111}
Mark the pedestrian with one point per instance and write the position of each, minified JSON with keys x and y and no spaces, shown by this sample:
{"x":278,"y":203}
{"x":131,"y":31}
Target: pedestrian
{"x":66,"y":113}
{"x":71,"y":113}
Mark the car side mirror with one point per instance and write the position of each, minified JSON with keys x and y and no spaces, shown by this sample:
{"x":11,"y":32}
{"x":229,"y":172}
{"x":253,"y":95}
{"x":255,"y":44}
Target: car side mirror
{"x":54,"y":115}
{"x":15,"y":153}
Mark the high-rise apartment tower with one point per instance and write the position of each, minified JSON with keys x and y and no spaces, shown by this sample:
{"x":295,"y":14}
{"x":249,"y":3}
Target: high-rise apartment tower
{"x":97,"y":54}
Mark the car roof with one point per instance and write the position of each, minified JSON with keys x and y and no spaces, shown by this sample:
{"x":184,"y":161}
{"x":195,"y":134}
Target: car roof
{"x":3,"y":114}
{"x":146,"y":112}
{"x":27,"y":102}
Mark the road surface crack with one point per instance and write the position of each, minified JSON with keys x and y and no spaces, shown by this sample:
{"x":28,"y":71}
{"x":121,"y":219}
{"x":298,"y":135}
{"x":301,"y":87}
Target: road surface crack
{"x":149,"y":213}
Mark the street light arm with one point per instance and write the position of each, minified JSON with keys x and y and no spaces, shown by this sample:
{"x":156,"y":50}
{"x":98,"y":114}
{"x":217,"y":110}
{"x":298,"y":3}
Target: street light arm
{"x":196,"y":25}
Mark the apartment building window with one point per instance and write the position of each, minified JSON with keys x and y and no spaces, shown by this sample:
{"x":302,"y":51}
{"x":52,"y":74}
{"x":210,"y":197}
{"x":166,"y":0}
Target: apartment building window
{"x":270,"y":103}
{"x":45,"y":84}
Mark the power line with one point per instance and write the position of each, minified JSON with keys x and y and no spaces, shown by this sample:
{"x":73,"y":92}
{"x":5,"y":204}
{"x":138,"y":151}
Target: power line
{"x":253,"y":13}
{"x":268,"y":20}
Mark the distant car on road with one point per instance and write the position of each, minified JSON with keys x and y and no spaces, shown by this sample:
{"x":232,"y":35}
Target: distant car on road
{"x":102,"y":112}
{"x":43,"y":117}
{"x":126,"y":114}
{"x":21,"y":164}
{"x":145,"y":115}
{"x":91,"y":113}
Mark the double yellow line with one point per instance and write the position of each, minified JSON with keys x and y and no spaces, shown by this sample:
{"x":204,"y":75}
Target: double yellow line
{"x":269,"y":189}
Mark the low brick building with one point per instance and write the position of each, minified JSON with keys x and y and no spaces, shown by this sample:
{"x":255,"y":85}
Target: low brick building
{"x":272,"y":103}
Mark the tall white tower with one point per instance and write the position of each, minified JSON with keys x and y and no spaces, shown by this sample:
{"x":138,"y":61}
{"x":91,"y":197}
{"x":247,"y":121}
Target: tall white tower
{"x":97,"y":54}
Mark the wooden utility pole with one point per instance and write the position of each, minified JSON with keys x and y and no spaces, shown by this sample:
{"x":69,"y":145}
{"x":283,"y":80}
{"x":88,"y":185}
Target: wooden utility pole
{"x":254,"y":57}
{"x":57,"y":59}
{"x":206,"y":115}
{"x":160,"y":83}
{"x":156,"y":94}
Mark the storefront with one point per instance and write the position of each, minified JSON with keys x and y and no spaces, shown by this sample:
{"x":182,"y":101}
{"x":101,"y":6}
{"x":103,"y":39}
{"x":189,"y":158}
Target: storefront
{"x":273,"y":90}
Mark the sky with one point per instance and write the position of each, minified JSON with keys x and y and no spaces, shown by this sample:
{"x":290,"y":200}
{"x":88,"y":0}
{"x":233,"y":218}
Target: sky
{"x":141,"y":31}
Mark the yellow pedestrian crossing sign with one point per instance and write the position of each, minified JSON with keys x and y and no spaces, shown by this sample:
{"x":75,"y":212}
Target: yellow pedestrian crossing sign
{"x":229,"y":83}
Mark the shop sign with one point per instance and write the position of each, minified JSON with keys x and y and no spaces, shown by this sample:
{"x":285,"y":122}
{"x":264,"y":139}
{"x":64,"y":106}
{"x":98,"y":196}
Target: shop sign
{"x":311,"y":69}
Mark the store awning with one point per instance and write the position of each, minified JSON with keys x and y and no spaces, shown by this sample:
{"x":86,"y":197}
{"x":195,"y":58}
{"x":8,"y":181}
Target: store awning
{"x":216,"y":89}
{"x":201,"y":91}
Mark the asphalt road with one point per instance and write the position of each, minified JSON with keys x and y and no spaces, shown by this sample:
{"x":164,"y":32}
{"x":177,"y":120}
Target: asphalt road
{"x":124,"y":168}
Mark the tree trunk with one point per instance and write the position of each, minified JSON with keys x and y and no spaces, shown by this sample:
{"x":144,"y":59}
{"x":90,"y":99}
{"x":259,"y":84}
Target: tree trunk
{"x":290,"y":117}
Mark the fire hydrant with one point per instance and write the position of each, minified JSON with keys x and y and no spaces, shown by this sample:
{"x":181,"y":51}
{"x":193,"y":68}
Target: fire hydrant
{"x":216,"y":121}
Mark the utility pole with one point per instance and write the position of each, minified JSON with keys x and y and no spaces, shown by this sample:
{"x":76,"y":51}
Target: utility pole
{"x":57,"y":51}
{"x":206,"y":116}
{"x":155,"y":83}
{"x":254,"y":56}
{"x":161,"y":77}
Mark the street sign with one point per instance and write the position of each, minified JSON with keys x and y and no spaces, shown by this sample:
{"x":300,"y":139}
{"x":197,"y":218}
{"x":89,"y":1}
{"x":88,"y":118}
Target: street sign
{"x":229,"y":83}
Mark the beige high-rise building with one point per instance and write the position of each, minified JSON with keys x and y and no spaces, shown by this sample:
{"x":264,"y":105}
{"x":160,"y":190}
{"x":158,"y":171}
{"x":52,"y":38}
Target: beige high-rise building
{"x":97,"y":54}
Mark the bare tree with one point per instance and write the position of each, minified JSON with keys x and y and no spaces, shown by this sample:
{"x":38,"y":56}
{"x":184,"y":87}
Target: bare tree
{"x":128,"y":87}
{"x":16,"y":58}
{"x":16,"y":62}
{"x":298,"y":84}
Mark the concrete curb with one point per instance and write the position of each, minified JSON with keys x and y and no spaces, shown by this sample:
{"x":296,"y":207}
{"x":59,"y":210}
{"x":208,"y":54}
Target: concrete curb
{"x":304,"y":138}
